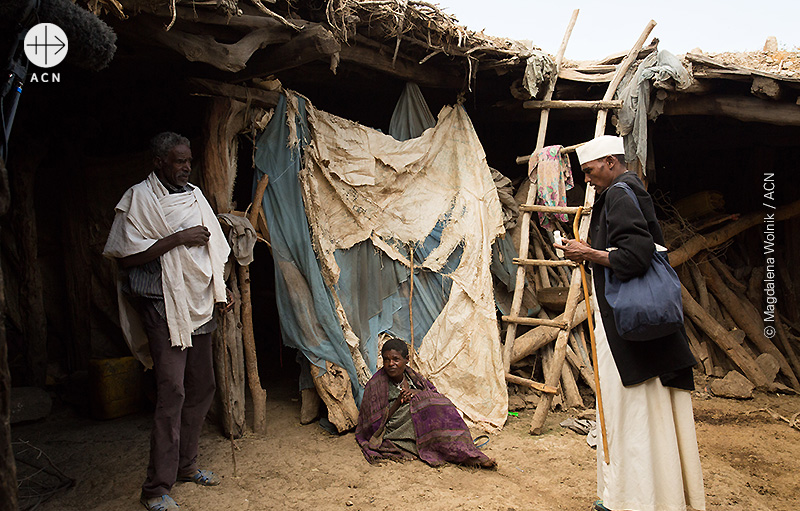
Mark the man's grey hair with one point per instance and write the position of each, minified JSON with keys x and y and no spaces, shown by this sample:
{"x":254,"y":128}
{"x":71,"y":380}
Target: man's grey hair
{"x":163,"y":143}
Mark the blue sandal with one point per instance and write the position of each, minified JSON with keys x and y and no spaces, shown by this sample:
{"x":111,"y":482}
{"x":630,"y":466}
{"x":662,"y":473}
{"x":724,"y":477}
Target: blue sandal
{"x":598,"y":506}
{"x":162,"y":503}
{"x":202,"y":477}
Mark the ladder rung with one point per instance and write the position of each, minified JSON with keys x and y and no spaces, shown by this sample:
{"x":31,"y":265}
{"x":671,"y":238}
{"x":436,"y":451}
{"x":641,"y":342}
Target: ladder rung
{"x":544,"y":262}
{"x":569,"y":210}
{"x":563,"y":150}
{"x":536,"y":322}
{"x":573,"y":104}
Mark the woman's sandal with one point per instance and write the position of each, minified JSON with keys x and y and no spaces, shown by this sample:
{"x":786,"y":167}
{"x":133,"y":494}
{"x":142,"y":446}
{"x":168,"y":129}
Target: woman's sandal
{"x":202,"y":477}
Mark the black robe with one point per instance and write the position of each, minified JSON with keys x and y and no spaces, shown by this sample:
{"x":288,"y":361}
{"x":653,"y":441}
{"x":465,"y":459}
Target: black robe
{"x":617,"y":222}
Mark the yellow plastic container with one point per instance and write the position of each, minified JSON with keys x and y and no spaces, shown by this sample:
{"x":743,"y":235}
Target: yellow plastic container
{"x":115,"y":387}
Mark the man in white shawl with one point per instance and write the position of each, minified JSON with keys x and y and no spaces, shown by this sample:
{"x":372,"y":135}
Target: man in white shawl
{"x":171,"y":253}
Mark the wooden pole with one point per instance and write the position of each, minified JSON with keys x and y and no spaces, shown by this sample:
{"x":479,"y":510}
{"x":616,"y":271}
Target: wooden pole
{"x":512,"y":378}
{"x":590,"y":319}
{"x":229,"y":368}
{"x":602,"y":115}
{"x":257,"y":392}
{"x":23,"y":221}
{"x":572,"y":105}
{"x":8,"y":468}
{"x":410,"y":301}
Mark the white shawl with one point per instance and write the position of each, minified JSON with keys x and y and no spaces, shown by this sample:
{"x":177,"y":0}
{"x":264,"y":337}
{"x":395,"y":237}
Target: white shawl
{"x":192,"y":277}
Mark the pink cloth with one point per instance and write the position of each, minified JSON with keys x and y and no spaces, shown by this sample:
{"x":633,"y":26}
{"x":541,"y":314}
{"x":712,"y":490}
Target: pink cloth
{"x":550,"y":173}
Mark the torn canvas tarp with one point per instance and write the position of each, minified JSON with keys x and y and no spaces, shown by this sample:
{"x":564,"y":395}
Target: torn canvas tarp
{"x":360,"y":185}
{"x":305,"y":305}
{"x":371,"y":202}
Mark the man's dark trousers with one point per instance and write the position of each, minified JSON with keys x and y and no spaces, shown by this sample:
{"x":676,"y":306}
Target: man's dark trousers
{"x":185,"y":388}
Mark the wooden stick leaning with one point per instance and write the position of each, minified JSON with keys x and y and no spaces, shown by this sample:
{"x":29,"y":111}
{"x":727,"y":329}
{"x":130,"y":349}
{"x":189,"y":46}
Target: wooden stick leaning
{"x":559,"y":353}
{"x":600,"y":416}
{"x":516,"y":302}
{"x":410,"y":298}
{"x":248,"y":337}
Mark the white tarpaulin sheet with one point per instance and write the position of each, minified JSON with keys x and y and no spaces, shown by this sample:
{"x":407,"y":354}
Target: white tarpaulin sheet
{"x":361,"y":184}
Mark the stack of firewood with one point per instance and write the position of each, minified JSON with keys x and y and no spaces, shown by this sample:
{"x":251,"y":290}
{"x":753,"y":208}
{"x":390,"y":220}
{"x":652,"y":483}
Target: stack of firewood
{"x":722,"y":298}
{"x":729,"y":325}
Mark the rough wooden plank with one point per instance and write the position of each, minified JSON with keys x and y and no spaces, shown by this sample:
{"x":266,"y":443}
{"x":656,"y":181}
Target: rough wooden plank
{"x":25,"y":161}
{"x":573,"y":104}
{"x":747,"y":109}
{"x":77,"y":263}
{"x":541,"y":387}
{"x":224,"y":121}
{"x":543,"y":262}
{"x":577,"y":75}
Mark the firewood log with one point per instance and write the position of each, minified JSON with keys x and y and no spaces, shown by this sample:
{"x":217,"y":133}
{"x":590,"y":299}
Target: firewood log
{"x":703,"y":242}
{"x":724,"y":339}
{"x":747,"y":318}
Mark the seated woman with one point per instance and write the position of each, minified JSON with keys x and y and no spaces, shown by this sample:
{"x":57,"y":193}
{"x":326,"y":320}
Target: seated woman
{"x":402,"y":416}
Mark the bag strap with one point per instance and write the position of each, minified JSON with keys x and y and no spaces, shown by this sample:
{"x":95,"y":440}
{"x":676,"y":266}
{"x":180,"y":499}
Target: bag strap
{"x":630,"y":193}
{"x":633,"y":196}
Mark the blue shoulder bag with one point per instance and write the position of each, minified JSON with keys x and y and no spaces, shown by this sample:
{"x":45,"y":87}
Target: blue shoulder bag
{"x":649,"y":306}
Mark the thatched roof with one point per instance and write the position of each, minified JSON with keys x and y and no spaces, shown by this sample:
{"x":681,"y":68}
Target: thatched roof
{"x":410,"y":40}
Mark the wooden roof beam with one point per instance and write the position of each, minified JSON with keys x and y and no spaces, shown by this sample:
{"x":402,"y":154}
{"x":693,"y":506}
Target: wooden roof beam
{"x":314,"y":42}
{"x":427,"y":76}
{"x":258,"y":97}
{"x":202,"y":48}
{"x":747,"y":109}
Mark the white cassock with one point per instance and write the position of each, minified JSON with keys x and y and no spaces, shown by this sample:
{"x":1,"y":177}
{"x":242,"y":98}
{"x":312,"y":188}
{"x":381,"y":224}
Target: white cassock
{"x":652,"y":444}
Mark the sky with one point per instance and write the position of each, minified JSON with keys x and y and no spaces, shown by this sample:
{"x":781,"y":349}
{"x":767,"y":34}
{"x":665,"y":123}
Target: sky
{"x":612,"y":26}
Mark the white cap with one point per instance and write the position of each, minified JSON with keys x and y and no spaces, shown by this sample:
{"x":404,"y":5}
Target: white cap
{"x":600,"y":147}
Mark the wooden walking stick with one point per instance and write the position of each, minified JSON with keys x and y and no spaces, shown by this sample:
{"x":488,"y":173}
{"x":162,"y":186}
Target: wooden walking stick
{"x":590,"y":319}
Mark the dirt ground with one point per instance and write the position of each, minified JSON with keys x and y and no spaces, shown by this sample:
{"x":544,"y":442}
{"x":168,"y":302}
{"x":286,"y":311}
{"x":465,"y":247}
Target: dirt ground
{"x":751,"y":460}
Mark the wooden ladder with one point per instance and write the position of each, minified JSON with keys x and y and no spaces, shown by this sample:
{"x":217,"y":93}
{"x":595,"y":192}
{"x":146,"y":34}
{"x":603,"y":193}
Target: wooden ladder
{"x":567,"y":321}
